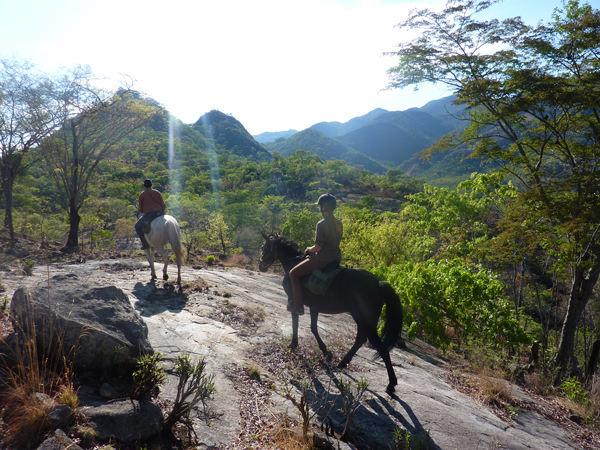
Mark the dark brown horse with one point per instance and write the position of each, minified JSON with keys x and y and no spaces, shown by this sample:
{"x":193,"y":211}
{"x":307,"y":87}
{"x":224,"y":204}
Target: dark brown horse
{"x":355,"y":291}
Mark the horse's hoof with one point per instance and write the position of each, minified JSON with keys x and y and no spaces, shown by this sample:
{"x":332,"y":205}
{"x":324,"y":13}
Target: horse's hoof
{"x":390,"y":389}
{"x":342,"y":365}
{"x":328,"y":357}
{"x":293,"y":346}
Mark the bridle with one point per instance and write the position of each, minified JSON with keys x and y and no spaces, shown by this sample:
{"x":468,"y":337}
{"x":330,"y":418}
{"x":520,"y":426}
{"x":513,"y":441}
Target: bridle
{"x":273,"y":249}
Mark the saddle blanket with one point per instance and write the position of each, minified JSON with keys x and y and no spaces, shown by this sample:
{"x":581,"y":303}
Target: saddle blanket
{"x":318,"y":282}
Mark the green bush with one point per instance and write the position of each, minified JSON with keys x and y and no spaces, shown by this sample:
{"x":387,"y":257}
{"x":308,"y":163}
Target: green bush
{"x":449,"y":301}
{"x":149,"y":376}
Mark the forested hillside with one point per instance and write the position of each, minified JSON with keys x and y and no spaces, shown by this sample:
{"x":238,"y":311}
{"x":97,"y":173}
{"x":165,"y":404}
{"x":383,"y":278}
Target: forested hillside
{"x":326,"y":148}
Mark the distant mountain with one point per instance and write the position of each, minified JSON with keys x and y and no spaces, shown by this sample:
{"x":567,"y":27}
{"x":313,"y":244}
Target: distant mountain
{"x":446,"y":111}
{"x":393,"y":137}
{"x":273,"y":136}
{"x":333,"y":129}
{"x":325,"y":147}
{"x":227,"y":132}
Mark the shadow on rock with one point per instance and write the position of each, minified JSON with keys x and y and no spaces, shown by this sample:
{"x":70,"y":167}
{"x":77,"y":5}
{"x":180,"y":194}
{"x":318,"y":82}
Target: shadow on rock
{"x":154,"y":300}
{"x":369,"y":420}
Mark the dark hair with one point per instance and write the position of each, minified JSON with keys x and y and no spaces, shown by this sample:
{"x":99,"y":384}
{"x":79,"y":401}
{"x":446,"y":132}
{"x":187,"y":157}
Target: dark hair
{"x":147,"y":182}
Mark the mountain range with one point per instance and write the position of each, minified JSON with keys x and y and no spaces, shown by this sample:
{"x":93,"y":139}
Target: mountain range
{"x":377,"y":141}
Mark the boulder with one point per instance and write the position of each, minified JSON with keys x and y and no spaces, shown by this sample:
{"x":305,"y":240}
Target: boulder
{"x":125,"y":420}
{"x":94,"y":322}
{"x":59,"y":441}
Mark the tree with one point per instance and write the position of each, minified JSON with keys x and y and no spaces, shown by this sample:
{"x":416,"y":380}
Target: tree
{"x":27,"y":115}
{"x":534,"y":110}
{"x":95,"y":123}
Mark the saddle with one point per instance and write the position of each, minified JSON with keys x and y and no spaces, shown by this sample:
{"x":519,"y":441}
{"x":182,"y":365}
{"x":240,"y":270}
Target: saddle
{"x":320,"y":279}
{"x":147,"y":226}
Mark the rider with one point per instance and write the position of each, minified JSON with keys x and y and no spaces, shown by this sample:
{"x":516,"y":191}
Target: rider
{"x":152,"y":205}
{"x":325,"y":251}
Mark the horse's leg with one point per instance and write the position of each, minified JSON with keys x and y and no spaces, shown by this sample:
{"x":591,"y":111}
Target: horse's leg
{"x":294,"y":342}
{"x":150,"y":256}
{"x":385,"y":355}
{"x":314,"y":318}
{"x":361,"y":338}
{"x":166,"y":259}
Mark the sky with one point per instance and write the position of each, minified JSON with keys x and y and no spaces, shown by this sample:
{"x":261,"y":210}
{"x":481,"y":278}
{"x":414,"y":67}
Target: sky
{"x":274,"y":65}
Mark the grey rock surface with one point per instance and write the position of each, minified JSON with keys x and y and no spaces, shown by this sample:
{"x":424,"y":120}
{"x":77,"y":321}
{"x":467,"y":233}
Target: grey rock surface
{"x":125,"y":420}
{"x":424,"y":403}
{"x":59,"y":441}
{"x":81,"y":313}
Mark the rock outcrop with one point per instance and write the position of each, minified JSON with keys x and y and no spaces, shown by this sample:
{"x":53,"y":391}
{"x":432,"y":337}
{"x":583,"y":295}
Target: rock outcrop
{"x":94,"y":322}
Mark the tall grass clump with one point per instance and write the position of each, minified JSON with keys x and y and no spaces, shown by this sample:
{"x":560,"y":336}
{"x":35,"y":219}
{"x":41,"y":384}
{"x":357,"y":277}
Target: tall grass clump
{"x":27,"y":372}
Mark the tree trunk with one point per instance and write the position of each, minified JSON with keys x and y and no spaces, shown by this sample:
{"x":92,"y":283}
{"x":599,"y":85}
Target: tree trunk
{"x":74,"y":217}
{"x":593,"y":361}
{"x":584,"y":282}
{"x":8,"y":179}
{"x":74,"y":220}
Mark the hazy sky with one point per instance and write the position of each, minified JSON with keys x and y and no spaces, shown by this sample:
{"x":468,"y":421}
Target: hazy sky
{"x":273,"y":64}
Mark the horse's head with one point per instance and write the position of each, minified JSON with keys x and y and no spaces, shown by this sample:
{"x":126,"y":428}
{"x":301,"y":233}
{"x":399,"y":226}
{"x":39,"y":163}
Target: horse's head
{"x":267,"y":254}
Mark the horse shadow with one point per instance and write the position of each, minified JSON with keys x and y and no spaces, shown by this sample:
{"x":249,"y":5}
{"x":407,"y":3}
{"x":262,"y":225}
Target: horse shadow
{"x":156,"y":297}
{"x":380,"y":415}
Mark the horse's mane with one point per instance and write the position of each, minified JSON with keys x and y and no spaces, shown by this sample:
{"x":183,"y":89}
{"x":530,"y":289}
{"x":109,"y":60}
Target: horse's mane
{"x":287,"y":244}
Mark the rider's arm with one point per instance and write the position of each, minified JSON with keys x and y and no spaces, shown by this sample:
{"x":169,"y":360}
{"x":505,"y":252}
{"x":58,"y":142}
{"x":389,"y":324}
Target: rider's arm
{"x":314,"y":249}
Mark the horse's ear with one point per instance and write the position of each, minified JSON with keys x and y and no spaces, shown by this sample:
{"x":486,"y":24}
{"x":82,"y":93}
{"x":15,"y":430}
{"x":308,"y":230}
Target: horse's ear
{"x":265,"y":237}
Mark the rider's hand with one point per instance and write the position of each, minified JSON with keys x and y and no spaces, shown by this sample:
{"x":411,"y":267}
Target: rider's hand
{"x":306,"y":252}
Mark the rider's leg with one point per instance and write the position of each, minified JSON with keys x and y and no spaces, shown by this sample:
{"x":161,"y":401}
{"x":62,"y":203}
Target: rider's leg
{"x":303,"y":268}
{"x":138,"y":229}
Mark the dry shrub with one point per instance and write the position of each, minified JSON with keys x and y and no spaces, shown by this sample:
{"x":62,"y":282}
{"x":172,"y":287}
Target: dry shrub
{"x":236,"y":260}
{"x":288,"y":436}
{"x":495,"y":391}
{"x":539,"y":383}
{"x":197,"y":285}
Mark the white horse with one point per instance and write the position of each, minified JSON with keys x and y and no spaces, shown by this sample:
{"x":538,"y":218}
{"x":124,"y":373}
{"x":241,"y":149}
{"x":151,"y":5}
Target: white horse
{"x":163,"y":230}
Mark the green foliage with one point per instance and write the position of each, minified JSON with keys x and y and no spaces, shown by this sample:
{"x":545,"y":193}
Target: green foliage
{"x":533,"y":105}
{"x":28,"y":265}
{"x":352,"y":395}
{"x":402,"y":439}
{"x":210,"y":259}
{"x":450,"y":301}
{"x":149,"y":376}
{"x":195,"y":387}
{"x":574,"y":391}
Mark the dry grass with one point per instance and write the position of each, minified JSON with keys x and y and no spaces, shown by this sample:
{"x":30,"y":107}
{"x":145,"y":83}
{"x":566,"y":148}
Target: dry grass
{"x":30,"y":371}
{"x":495,"y":391}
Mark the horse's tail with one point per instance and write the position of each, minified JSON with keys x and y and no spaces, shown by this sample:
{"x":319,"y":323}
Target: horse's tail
{"x":393,"y":315}
{"x":175,"y":241}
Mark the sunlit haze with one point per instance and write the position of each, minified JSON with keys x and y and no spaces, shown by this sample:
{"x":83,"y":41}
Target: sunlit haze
{"x":272,"y":64}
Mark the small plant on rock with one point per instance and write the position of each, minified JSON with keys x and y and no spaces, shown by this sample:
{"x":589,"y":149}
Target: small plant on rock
{"x":402,"y":439}
{"x":210,"y":259}
{"x":195,"y":387}
{"x":28,"y":265}
{"x":149,"y":376}
{"x":351,"y":397}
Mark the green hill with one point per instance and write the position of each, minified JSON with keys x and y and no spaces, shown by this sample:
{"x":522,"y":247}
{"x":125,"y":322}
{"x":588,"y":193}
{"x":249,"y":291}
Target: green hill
{"x":229,"y":133}
{"x":326,"y":148}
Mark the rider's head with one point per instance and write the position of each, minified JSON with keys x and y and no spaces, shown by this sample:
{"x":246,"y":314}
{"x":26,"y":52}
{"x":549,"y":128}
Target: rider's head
{"x":147,"y":182}
{"x":327,"y":202}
